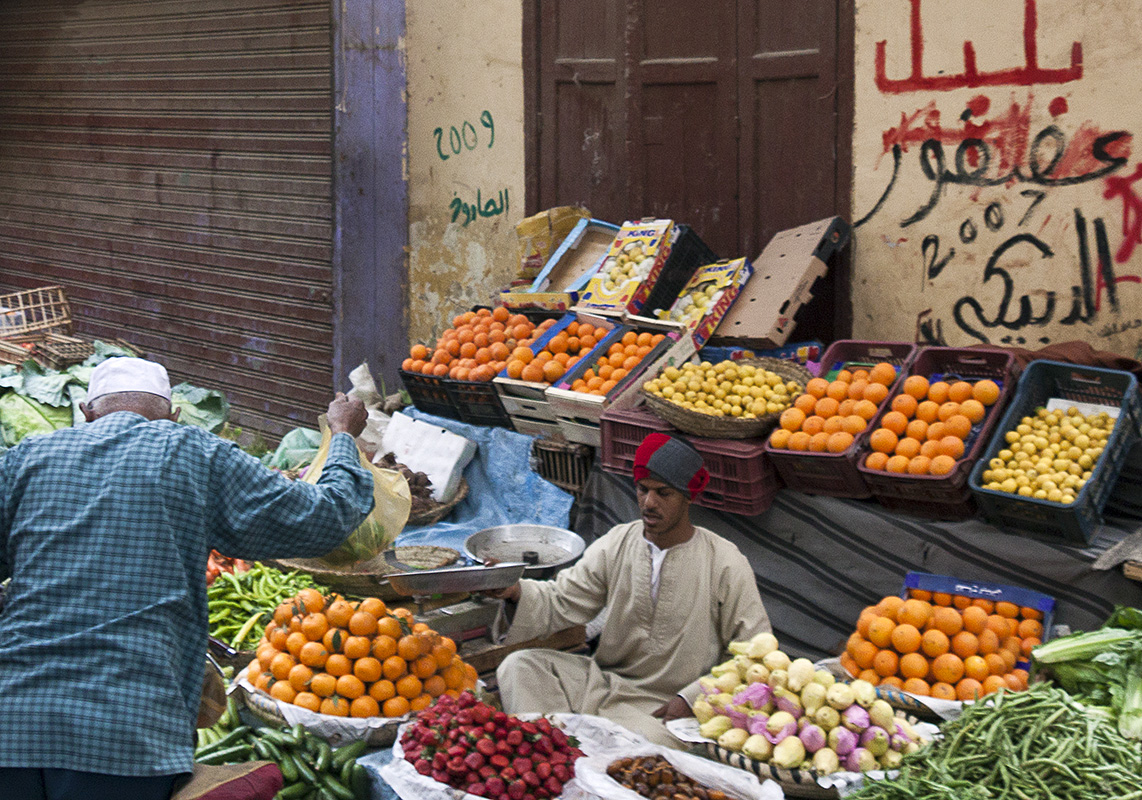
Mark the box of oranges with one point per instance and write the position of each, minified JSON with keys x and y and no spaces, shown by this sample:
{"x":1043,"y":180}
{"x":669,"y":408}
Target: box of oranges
{"x":531,"y":369}
{"x":946,"y":639}
{"x":815,"y":444}
{"x":924,"y":443}
{"x":611,"y":376}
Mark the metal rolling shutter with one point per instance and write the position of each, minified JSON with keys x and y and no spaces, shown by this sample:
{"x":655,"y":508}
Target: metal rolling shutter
{"x":169,"y":164}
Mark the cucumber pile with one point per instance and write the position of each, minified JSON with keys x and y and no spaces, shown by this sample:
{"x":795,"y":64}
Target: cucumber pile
{"x":312,"y":770}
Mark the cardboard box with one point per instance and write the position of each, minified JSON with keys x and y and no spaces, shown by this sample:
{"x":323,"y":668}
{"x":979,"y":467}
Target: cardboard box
{"x":708,"y":296}
{"x":782,"y":283}
{"x":568,"y":270}
{"x":540,"y":234}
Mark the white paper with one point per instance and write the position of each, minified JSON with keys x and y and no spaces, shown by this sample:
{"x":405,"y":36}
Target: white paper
{"x":602,"y":742}
{"x":438,"y":453}
{"x":1086,"y":409}
{"x":336,"y":730}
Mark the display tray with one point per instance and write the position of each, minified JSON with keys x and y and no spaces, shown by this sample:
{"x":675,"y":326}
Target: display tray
{"x":454,"y":580}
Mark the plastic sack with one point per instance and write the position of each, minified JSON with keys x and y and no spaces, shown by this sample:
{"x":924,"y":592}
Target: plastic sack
{"x":392,"y":503}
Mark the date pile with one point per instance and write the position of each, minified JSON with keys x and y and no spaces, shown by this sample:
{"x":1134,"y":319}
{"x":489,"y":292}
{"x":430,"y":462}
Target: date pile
{"x":655,"y":777}
{"x":471,"y":746}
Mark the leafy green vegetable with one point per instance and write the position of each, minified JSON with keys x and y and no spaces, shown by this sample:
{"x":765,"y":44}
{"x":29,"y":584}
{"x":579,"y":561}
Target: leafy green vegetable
{"x":1102,"y":667}
{"x":206,"y":408}
{"x":22,"y":416}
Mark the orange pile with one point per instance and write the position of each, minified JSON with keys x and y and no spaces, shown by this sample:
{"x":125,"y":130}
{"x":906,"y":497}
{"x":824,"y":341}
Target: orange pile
{"x":830,"y":414}
{"x":614,"y":365}
{"x":477,"y":346}
{"x":561,"y":353}
{"x":924,"y":432}
{"x":355,"y":659}
{"x":940,"y":645}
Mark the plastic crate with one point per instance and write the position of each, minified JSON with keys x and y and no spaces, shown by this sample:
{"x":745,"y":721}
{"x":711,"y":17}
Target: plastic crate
{"x":687,"y":254}
{"x":478,"y":403}
{"x":564,"y":464}
{"x":943,"y":496}
{"x":836,"y":474}
{"x":1041,"y":382}
{"x":742,"y":479}
{"x":430,"y":394}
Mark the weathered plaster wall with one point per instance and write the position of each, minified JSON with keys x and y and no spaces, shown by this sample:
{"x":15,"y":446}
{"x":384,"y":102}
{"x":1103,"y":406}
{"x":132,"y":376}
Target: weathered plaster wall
{"x":995,"y":179}
{"x":465,"y":156}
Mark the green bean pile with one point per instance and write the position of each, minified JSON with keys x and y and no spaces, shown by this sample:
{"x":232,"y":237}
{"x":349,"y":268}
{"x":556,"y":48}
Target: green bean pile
{"x":242,"y":604}
{"x":1039,"y":744}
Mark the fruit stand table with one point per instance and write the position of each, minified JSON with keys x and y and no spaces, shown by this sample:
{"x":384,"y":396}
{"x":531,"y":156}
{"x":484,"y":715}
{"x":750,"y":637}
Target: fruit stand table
{"x":820,"y":560}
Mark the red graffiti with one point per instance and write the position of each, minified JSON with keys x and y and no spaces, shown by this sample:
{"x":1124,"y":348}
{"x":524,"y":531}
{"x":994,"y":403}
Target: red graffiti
{"x":1027,"y":75}
{"x":1131,"y":212}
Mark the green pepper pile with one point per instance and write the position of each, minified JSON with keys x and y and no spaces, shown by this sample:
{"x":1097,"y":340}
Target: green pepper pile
{"x":242,"y":604}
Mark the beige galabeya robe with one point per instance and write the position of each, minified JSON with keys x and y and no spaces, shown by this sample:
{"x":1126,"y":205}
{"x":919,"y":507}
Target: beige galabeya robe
{"x":648,"y":651}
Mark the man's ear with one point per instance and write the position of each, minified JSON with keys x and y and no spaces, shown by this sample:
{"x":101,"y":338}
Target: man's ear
{"x":174,"y":414}
{"x":88,"y":414}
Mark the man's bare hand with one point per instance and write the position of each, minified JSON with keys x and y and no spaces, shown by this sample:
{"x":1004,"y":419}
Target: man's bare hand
{"x":509,"y":593}
{"x":346,"y":415}
{"x":677,"y":708}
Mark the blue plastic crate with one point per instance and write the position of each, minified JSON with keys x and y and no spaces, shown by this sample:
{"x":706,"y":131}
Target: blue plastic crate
{"x":1041,"y":382}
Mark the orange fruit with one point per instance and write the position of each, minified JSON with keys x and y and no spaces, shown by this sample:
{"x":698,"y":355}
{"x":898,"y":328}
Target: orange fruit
{"x":917,"y":386}
{"x":993,"y":683}
{"x":791,"y":419}
{"x":311,"y":600}
{"x":338,"y":613}
{"x":813,"y":425}
{"x":917,"y":428}
{"x":883,"y":374}
{"x":350,"y":687}
{"x":917,"y":686}
{"x":313,"y":654}
{"x":383,"y":647}
{"x":410,"y":648}
{"x":946,"y":410}
{"x":394,"y":667}
{"x":957,"y":425}
{"x":886,"y":663}
{"x":294,"y":642}
{"x":883,"y":440}
{"x":848,"y":664}
{"x":969,"y":689}
{"x":934,"y":643}
{"x":870,"y":675}
{"x":408,"y":686}
{"x":826,"y":407}
{"x":889,"y":606}
{"x":913,"y":665}
{"x":864,"y":653}
{"x":895,"y":422}
{"x":947,"y":620}
{"x":280,"y":666}
{"x":995,"y":664}
{"x":515,"y":369}
{"x":985,"y":391}
{"x":941,"y":598}
{"x":876,"y":460}
{"x":1030,"y":613}
{"x":854,"y":424}
{"x":880,"y":631}
{"x":323,"y":684}
{"x":307,"y":700}
{"x":799,"y":441}
{"x":914,"y":612}
{"x":299,"y":677}
{"x":816,"y":387}
{"x":948,"y":668}
{"x":357,"y":647}
{"x":941,"y":464}
{"x":805,"y":403}
{"x":334,"y":640}
{"x":928,"y":411}
{"x":423,"y":667}
{"x":898,"y":464}
{"x":856,"y":388}
{"x":975,"y":667}
{"x":988,"y":642}
{"x":779,"y":438}
{"x":975,"y":619}
{"x":338,"y":665}
{"x":1006,"y":609}
{"x":281,"y":690}
{"x":1021,"y":676}
{"x":819,"y":442}
{"x":434,"y":686}
{"x":382,"y":690}
{"x":335,"y":706}
{"x":919,"y":465}
{"x":904,"y":404}
{"x":961,"y":601}
{"x":1002,"y":626}
{"x":952,"y":447}
{"x":906,"y":638}
{"x":892,"y":680}
{"x":368,"y":669}
{"x":1030,"y":628}
{"x":973,"y":410}
{"x":839,"y":442}
{"x":938,"y":392}
{"x":838,"y":390}
{"x":936,"y":431}
{"x":875,"y":393}
{"x":364,"y":706}
{"x":395,"y":707}
{"x":959,"y":391}
{"x":965,"y":644}
{"x":943,"y":691}
{"x":1029,"y":643}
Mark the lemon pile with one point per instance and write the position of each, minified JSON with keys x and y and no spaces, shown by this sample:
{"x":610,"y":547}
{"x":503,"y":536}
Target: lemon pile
{"x":694,"y":305}
{"x":1049,"y":456}
{"x":725,"y":389}
{"x":633,"y":263}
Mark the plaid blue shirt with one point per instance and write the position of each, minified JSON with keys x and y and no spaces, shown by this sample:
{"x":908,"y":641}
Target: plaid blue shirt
{"x":105,"y":530}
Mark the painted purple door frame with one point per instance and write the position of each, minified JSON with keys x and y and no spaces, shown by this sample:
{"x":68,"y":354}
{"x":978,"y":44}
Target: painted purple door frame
{"x":370,"y":193}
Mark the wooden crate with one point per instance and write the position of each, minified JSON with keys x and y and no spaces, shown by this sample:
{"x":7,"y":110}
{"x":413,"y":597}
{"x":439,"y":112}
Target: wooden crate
{"x":30,"y":315}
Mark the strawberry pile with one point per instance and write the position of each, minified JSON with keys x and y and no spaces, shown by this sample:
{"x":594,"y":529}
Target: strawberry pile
{"x":471,"y":746}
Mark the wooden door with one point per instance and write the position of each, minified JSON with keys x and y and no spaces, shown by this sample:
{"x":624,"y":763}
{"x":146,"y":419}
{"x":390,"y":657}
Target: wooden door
{"x":731,"y":116}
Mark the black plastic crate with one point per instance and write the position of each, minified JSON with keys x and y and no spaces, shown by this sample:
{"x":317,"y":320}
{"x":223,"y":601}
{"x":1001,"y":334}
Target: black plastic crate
{"x":478,"y":403}
{"x":430,"y":394}
{"x":686,"y":254}
{"x":1040,"y":382}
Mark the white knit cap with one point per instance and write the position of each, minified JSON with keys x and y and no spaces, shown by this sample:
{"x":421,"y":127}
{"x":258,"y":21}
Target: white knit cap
{"x":123,"y":374}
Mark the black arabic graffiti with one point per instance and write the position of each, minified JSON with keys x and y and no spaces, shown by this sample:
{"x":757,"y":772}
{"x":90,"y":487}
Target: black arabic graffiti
{"x":481,"y":208}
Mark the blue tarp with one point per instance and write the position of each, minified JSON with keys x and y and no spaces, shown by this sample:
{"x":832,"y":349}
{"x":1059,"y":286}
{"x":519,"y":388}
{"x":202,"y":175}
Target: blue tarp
{"x":502,"y":488}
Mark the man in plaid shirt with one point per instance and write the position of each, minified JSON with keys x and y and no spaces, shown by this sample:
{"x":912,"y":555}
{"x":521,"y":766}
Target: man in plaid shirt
{"x":105,"y":529}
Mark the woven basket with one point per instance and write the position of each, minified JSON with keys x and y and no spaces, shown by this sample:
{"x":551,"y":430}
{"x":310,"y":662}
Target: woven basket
{"x":367,"y":578}
{"x":794,"y":782}
{"x":711,"y":427}
{"x":433,"y":515}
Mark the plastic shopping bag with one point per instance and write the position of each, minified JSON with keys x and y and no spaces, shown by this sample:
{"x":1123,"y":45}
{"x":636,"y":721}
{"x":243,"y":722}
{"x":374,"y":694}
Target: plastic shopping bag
{"x":393,"y":500}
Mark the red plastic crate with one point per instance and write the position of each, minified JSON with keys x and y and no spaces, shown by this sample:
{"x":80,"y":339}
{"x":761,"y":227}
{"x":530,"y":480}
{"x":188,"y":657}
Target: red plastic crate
{"x":836,"y":474}
{"x":943,"y":496}
{"x":742,"y":479}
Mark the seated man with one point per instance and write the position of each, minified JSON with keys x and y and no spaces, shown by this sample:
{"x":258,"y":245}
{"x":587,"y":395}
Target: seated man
{"x":677,"y":595}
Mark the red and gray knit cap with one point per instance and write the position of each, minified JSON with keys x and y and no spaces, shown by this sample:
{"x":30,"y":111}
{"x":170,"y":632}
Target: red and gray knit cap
{"x":671,"y":460}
